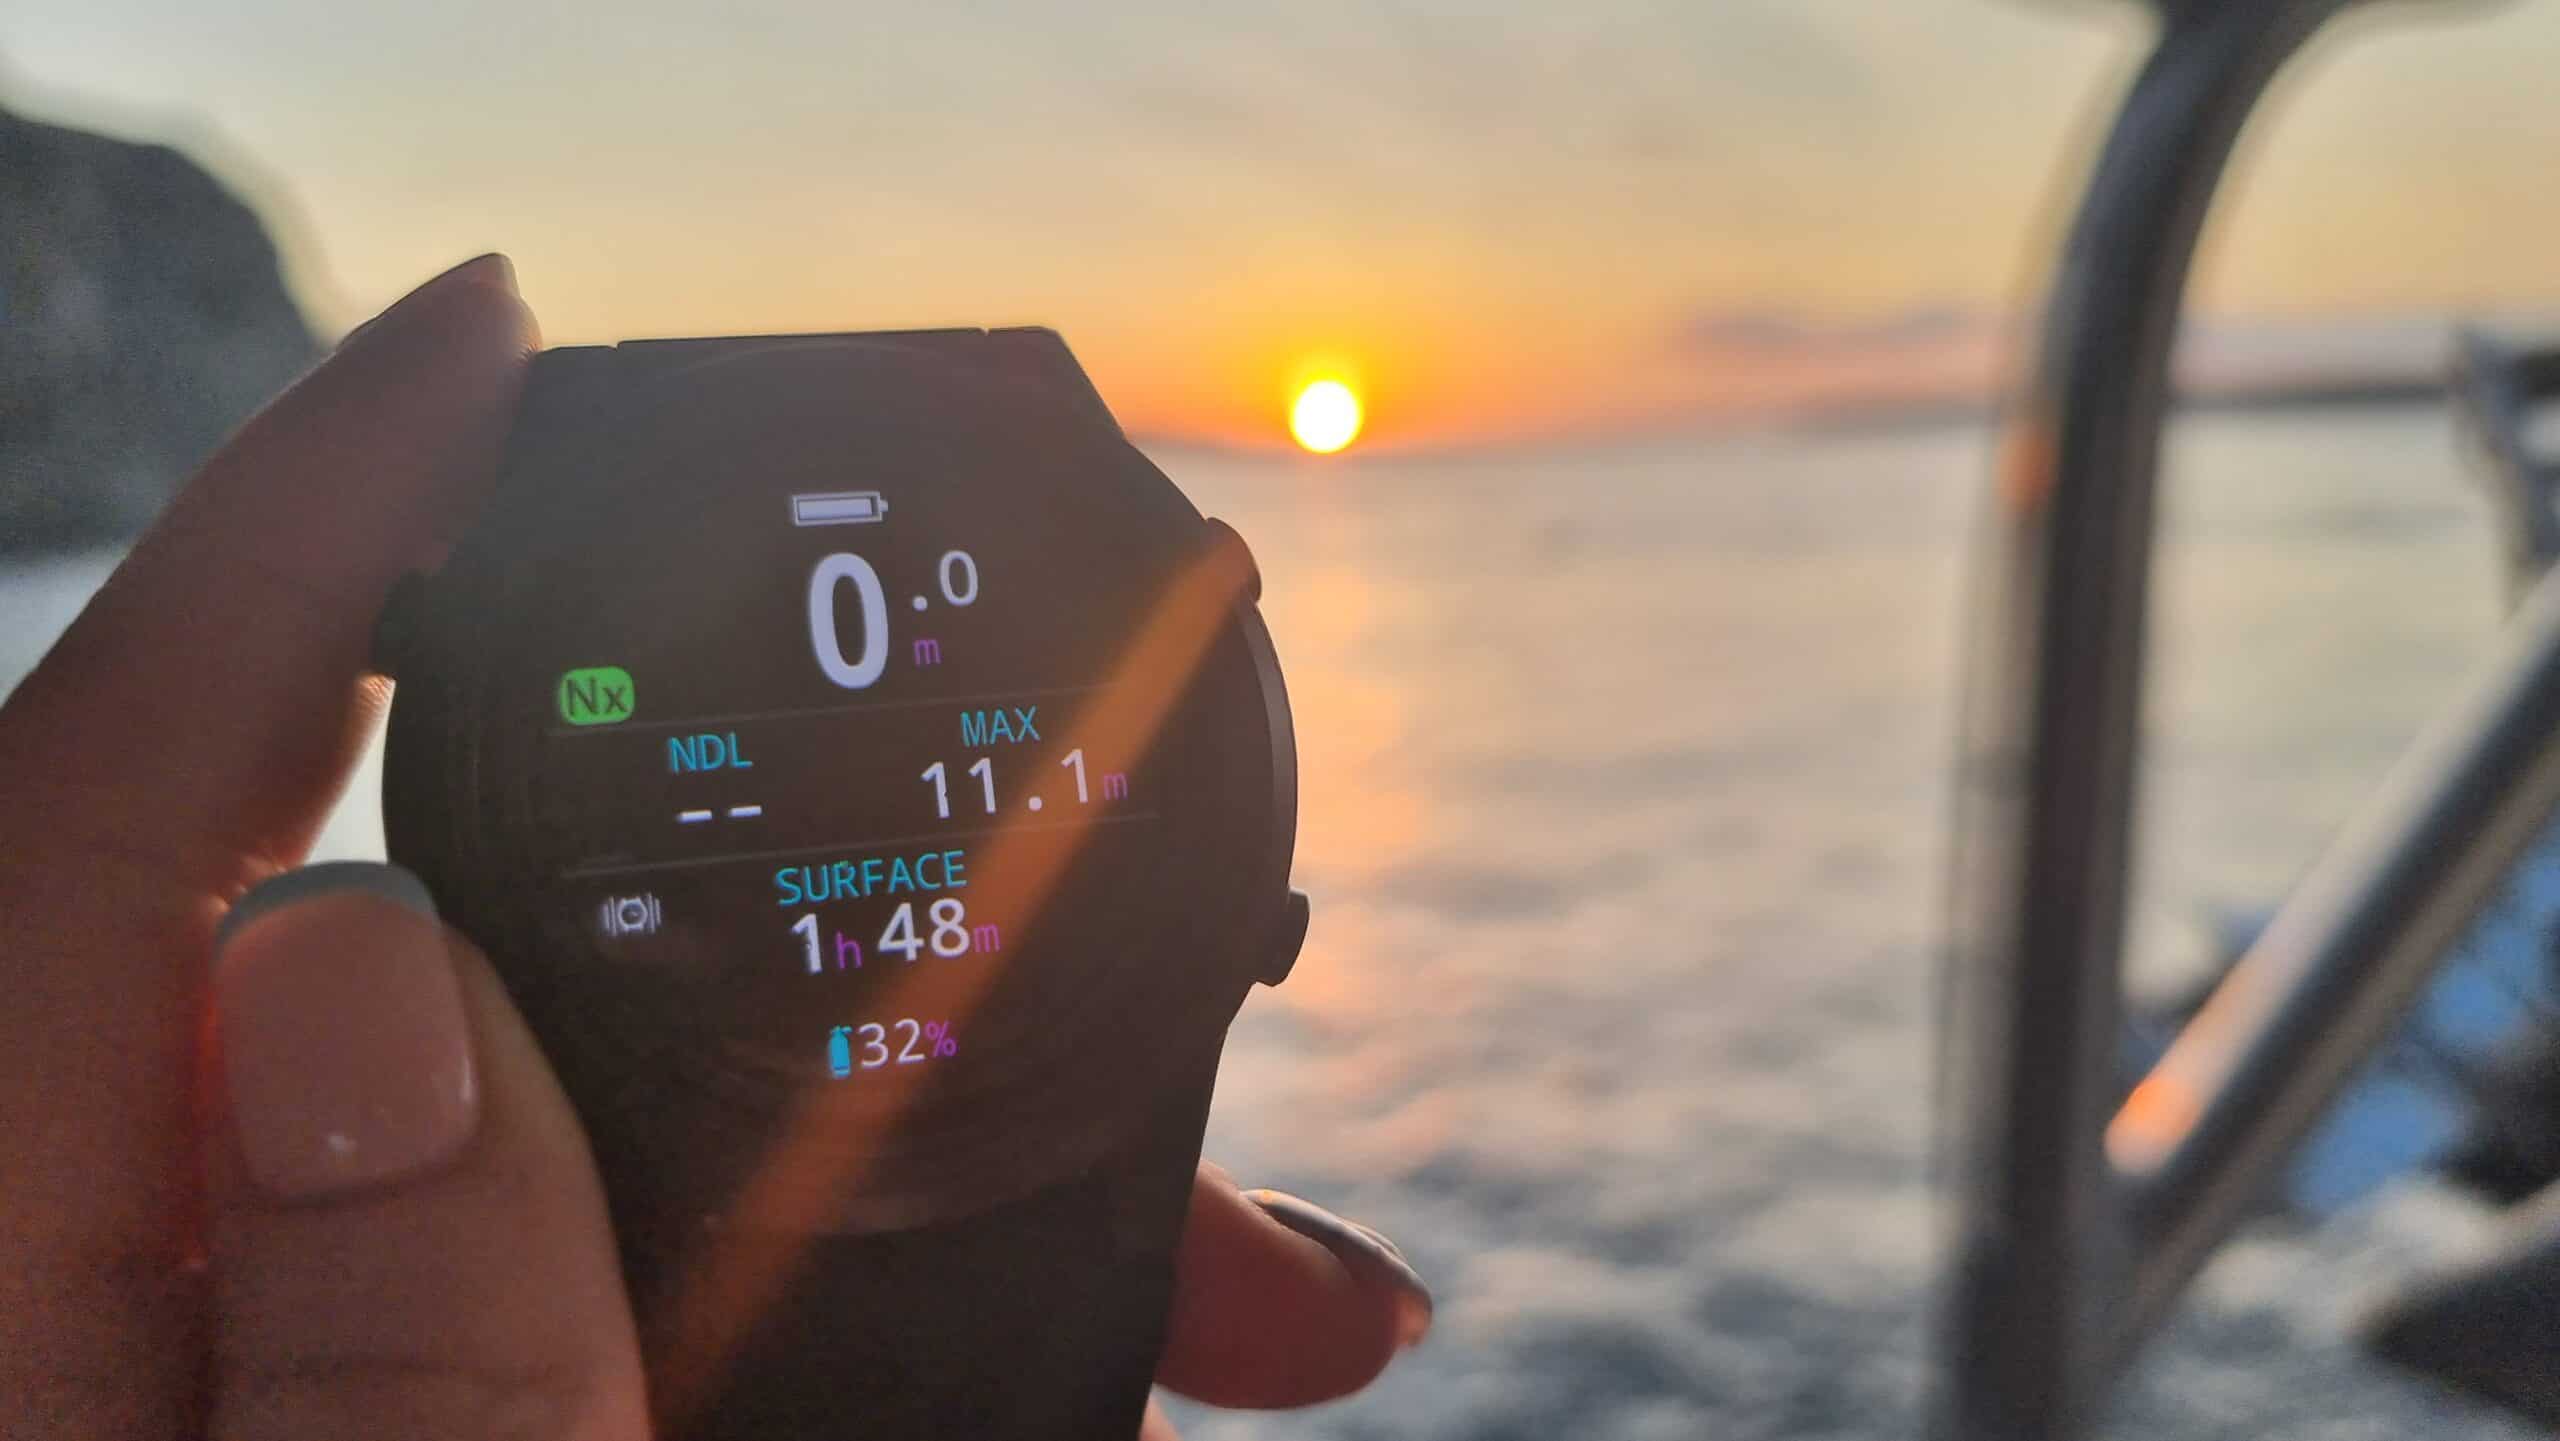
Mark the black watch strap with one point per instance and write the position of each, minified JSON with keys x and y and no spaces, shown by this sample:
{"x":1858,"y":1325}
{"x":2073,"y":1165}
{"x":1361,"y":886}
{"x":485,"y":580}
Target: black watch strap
{"x":1043,"y":1318}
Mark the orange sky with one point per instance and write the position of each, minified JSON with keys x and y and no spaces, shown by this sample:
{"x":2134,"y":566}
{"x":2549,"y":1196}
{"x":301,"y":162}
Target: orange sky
{"x":1504,"y":219}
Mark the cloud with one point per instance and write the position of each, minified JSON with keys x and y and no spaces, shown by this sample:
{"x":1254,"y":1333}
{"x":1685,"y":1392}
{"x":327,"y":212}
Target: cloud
{"x":1721,"y":333}
{"x":1761,"y":361}
{"x":1941,"y":357}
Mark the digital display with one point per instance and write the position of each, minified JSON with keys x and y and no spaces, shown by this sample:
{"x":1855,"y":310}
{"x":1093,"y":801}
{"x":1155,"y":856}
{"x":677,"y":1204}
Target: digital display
{"x":876,"y":749}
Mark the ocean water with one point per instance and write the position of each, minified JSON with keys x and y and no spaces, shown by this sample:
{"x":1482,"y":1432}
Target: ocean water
{"x":1625,"y":781}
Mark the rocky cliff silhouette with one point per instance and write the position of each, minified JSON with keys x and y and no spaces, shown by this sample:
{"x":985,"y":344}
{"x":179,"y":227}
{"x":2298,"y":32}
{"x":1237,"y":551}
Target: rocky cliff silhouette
{"x":142,"y":317}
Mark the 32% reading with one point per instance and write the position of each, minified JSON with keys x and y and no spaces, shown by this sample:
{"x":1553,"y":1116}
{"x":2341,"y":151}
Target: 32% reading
{"x":902,"y":1042}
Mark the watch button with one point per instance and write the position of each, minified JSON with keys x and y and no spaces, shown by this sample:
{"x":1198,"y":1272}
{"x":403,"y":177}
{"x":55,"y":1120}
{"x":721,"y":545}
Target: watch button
{"x":395,"y":631}
{"x":1222,"y":536}
{"x":1287,"y":940}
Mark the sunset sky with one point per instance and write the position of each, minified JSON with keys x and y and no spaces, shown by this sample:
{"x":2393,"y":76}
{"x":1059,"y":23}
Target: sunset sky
{"x":1498,"y":219}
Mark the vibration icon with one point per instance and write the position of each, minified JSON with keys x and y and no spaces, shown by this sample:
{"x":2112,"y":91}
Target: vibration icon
{"x":639,"y":915}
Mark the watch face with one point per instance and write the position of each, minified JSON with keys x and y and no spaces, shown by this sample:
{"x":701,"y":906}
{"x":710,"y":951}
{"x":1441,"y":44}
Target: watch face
{"x":887,"y":763}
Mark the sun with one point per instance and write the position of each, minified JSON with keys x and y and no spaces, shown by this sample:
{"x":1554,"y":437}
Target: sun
{"x":1325,"y":417}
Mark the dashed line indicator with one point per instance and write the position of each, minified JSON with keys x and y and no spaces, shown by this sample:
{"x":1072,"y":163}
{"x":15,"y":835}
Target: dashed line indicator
{"x":692,"y":818}
{"x":745,"y":813}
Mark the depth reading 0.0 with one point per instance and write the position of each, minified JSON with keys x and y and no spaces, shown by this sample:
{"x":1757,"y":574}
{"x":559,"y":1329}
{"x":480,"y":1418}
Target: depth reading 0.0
{"x":956,"y":574}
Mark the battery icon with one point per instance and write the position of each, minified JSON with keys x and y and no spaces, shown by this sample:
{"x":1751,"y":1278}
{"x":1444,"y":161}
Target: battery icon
{"x":839,"y":507}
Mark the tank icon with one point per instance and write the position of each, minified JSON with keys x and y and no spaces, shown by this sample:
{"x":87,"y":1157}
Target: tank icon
{"x":840,"y":1051}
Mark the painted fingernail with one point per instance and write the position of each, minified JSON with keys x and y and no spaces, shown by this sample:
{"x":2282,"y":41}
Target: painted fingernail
{"x":493,"y":270}
{"x":1368,"y":1253}
{"x":345,"y":1050}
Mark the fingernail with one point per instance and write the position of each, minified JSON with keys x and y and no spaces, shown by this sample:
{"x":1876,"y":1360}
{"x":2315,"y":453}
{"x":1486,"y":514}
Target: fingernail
{"x":493,"y":270}
{"x":345,"y":1050}
{"x":1363,"y":1249}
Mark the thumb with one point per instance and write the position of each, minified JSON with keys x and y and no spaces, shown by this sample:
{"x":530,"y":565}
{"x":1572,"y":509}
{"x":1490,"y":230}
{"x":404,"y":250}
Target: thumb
{"x":408,"y":1238}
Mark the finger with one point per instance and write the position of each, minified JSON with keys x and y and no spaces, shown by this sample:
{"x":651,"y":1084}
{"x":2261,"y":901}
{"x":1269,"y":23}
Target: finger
{"x":409,"y":1240}
{"x":199,"y":716}
{"x":1277,"y":1302}
{"x":185,"y":736}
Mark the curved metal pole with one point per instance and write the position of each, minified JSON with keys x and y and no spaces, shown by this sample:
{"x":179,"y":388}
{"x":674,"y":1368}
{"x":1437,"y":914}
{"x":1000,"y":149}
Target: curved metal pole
{"x":2053,"y":702}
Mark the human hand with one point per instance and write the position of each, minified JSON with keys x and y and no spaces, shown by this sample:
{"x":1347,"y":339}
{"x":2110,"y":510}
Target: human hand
{"x":304,"y":1173}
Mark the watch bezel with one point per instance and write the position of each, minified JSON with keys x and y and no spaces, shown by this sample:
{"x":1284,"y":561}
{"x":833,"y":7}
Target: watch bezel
{"x":447,"y":795}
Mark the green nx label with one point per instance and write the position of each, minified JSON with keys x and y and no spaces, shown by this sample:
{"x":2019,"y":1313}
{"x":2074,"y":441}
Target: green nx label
{"x":598,"y":695}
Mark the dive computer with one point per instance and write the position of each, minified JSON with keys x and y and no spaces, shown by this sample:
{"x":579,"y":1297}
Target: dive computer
{"x":874,"y":781}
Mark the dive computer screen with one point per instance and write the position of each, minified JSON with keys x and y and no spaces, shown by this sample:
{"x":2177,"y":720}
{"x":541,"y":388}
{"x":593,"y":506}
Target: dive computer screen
{"x":861,"y":757}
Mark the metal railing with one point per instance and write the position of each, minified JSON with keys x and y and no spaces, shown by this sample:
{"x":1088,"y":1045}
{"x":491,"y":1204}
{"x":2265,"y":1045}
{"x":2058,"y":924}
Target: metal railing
{"x":2080,"y":1214}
